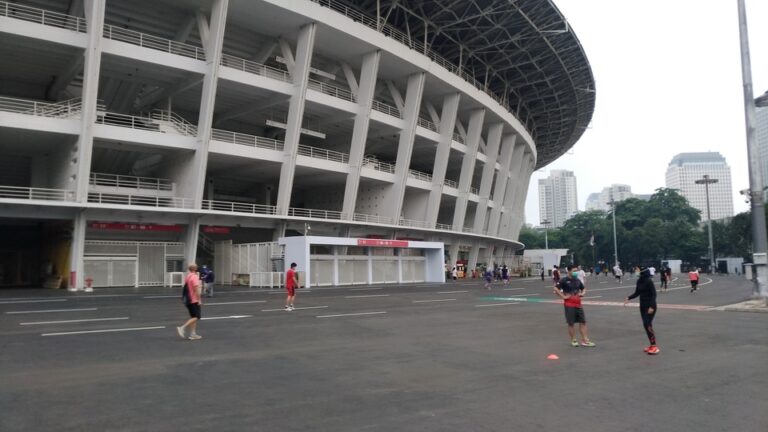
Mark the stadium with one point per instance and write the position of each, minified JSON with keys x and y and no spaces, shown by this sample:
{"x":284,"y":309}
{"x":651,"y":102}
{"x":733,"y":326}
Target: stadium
{"x":138,"y":136}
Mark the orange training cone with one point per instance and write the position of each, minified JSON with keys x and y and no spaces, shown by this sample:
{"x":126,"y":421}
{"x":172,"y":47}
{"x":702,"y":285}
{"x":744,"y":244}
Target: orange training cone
{"x":553,"y":357}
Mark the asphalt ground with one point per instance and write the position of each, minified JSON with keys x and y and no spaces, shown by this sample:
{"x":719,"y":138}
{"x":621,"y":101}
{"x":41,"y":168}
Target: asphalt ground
{"x":426,"y":357}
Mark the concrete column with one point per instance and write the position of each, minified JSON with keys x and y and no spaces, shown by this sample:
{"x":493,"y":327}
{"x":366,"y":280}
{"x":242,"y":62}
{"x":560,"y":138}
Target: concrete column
{"x":474,"y":252}
{"x":508,"y":152}
{"x":453,"y":252}
{"x":509,"y":189}
{"x":365,"y":93}
{"x":335,"y":265}
{"x":94,"y":13}
{"x":394,"y":195}
{"x":447,"y":126}
{"x":519,"y":214}
{"x":468,"y":168}
{"x":191,"y":239}
{"x":492,"y":152}
{"x":515,"y":186}
{"x":213,"y":52}
{"x":295,"y":115}
{"x":77,"y":250}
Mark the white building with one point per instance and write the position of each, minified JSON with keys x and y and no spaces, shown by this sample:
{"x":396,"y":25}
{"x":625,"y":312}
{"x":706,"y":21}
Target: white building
{"x":686,"y":168}
{"x":558,"y":200}
{"x":615,"y":192}
{"x":133,"y":132}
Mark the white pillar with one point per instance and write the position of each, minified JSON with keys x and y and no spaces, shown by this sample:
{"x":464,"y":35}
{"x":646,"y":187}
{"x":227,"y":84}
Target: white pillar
{"x":473,"y":255}
{"x":492,"y":152}
{"x":365,"y":93}
{"x":508,"y":152}
{"x":295,"y":115}
{"x":442,"y":155}
{"x":517,"y":184}
{"x":395,"y":194}
{"x":76,"y":252}
{"x":213,"y":53}
{"x":468,"y":168}
{"x":191,"y":239}
{"x":94,"y":13}
{"x":509,"y":191}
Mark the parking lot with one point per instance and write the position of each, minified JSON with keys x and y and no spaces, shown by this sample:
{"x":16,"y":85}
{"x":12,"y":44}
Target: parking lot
{"x":435,"y":357}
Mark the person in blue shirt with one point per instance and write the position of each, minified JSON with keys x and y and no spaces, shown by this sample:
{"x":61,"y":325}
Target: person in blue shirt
{"x":207,"y":277}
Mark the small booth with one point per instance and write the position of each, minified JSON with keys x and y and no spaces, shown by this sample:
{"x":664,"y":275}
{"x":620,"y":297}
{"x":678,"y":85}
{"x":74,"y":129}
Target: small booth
{"x":332,"y":261}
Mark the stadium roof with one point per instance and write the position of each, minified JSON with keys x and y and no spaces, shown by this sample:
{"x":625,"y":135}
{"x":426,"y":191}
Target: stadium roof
{"x":524,"y":50}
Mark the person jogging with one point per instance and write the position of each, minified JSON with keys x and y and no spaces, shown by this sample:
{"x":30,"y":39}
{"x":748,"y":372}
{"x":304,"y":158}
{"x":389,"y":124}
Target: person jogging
{"x":645,"y":289}
{"x":488,"y":278}
{"x":291,"y":283}
{"x":192,"y":286}
{"x":664,"y":281}
{"x":570,"y":289}
{"x":693,"y":275}
{"x":555,"y":275}
{"x":505,"y":274}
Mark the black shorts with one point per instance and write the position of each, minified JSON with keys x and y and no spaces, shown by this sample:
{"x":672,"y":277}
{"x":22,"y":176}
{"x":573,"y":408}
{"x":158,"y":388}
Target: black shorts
{"x":574,"y":315}
{"x":694,"y":283}
{"x":194,"y":310}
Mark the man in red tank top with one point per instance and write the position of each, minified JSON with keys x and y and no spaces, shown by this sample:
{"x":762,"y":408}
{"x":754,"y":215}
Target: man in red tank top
{"x":291,"y":283}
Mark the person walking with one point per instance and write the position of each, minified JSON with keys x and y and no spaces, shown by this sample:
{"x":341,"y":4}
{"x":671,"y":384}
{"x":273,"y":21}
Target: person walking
{"x":191,"y":297}
{"x":664,"y":280}
{"x":291,"y":283}
{"x":207,"y":276}
{"x":645,"y":289}
{"x":454,"y":274}
{"x":541,"y":273}
{"x":693,"y":275}
{"x":555,"y":275}
{"x":582,"y":276}
{"x":570,"y":289}
{"x":488,"y":278}
{"x":617,"y":272}
{"x":505,"y":274}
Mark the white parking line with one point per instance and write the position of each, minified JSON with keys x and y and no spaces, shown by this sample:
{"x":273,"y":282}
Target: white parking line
{"x":73,"y":321}
{"x":513,"y":289}
{"x":227,"y":317}
{"x":103,"y":331}
{"x":236,"y":302}
{"x":451,"y":292}
{"x":352,"y":314}
{"x":33,"y":301}
{"x":591,"y":297}
{"x":162,"y":296}
{"x":431,"y":301}
{"x":367,"y":296}
{"x":296,"y":308}
{"x":365,"y":289}
{"x":497,"y":304}
{"x":51,"y":311}
{"x":524,"y":295}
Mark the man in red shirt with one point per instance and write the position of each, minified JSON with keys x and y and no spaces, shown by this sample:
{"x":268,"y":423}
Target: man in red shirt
{"x":291,"y":283}
{"x":570,"y":289}
{"x":192,"y":301}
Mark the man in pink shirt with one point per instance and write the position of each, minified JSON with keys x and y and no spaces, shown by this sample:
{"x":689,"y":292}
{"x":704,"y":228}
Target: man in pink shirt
{"x":192,"y":301}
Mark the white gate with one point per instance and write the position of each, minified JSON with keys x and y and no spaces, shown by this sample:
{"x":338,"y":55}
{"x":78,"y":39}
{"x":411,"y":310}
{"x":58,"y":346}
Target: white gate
{"x":111,"y":271}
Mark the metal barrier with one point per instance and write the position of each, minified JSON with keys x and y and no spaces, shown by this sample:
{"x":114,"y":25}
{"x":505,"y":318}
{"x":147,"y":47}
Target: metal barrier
{"x":153,"y":42}
{"x":254,"y":68}
{"x":42,"y":16}
{"x":247,"y":140}
{"x":132,"y":182}
{"x":266,"y":279}
{"x":139,"y":200}
{"x":30,"y":193}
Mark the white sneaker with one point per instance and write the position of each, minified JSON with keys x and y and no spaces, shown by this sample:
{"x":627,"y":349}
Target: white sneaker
{"x":180,"y":331}
{"x":195,"y":337}
{"x":288,"y":308}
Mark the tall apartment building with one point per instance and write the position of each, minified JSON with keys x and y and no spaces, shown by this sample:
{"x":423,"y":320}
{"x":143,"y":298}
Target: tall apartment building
{"x":615,"y":192}
{"x":761,"y":131}
{"x":558,"y":200}
{"x":686,"y":168}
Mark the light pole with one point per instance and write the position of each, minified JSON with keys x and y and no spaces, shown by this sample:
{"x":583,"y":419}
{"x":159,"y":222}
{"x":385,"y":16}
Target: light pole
{"x":759,"y":240}
{"x":545,"y":223}
{"x":615,"y":243}
{"x":706,"y":181}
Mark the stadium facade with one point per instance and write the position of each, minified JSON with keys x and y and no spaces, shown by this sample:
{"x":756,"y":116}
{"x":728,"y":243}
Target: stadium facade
{"x":136,"y":133}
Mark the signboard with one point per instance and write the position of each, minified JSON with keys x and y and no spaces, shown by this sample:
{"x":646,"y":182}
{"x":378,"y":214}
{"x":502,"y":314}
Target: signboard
{"x":134,"y":227}
{"x":215,"y":230}
{"x":382,"y":243}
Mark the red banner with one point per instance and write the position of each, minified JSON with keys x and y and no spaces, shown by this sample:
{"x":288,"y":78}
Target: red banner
{"x":134,"y":227}
{"x":382,"y":243}
{"x":215,"y":230}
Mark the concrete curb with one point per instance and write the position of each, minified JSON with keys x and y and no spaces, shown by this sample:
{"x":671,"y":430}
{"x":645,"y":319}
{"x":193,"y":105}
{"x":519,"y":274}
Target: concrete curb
{"x":758,"y":306}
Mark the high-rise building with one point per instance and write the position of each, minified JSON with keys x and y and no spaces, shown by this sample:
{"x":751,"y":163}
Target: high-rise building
{"x":558,"y":200}
{"x":686,"y":168}
{"x":761,"y":131}
{"x":139,"y":135}
{"x":615,"y":192}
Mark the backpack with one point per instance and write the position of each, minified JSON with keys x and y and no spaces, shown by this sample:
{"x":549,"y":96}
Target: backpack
{"x":185,"y":294}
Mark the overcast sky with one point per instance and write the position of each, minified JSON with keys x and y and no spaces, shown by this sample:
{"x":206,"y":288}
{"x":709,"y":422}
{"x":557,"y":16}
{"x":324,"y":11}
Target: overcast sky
{"x":668,"y":78}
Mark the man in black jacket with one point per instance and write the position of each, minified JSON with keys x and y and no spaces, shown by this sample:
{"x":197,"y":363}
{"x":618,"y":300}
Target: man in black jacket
{"x":646,"y":290}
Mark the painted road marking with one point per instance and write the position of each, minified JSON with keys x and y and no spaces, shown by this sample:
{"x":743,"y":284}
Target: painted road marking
{"x":367,"y":296}
{"x":451,"y":292}
{"x":432,"y":301}
{"x":591,"y":297}
{"x":51,"y":311}
{"x":235,"y":302}
{"x":162,"y":296}
{"x":74,"y":321}
{"x":103,"y":331}
{"x":497,"y":304}
{"x":524,"y":295}
{"x":365,"y":289}
{"x":228,"y":317}
{"x":32,"y":301}
{"x":352,"y":314}
{"x":296,"y":308}
{"x":513,"y":289}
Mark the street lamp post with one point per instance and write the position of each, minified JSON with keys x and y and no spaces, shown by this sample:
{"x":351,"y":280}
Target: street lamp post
{"x":759,"y":238}
{"x":615,"y":243}
{"x":546,"y":239}
{"x":706,"y":181}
